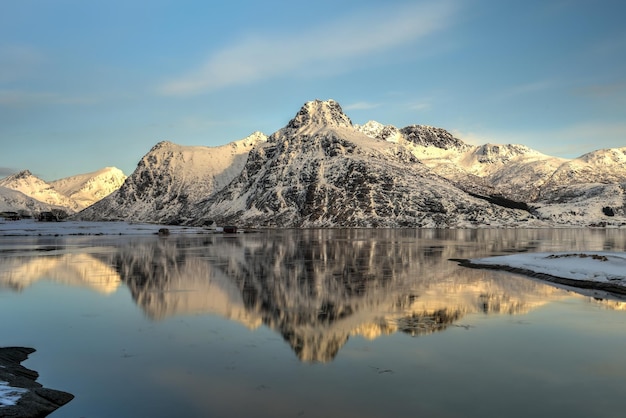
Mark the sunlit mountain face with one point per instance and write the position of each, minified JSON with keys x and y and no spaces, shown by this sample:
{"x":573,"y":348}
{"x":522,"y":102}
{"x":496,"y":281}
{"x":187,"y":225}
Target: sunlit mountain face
{"x":28,"y":194}
{"x":316,"y":288}
{"x":321,"y":170}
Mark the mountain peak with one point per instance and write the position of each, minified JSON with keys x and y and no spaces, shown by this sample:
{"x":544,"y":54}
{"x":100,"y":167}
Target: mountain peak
{"x":320,"y":113}
{"x":377,"y":130}
{"x":21,"y":177}
{"x":22,"y":174}
{"x":162,"y":144}
{"x":430,"y":136}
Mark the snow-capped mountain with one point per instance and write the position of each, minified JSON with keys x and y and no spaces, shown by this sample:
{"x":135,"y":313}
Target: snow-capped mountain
{"x":379,"y":131}
{"x":577,"y":191}
{"x":28,"y":194}
{"x":34,"y":187}
{"x":514,"y":171}
{"x":605,"y":166}
{"x":171,"y":177}
{"x":87,"y":189}
{"x":16,"y":201}
{"x":321,"y":171}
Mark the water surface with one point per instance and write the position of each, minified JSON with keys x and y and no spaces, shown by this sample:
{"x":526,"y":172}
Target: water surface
{"x":309,"y":323}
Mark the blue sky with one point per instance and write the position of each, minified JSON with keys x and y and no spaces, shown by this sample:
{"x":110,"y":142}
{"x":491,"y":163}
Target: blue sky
{"x":89,"y":84}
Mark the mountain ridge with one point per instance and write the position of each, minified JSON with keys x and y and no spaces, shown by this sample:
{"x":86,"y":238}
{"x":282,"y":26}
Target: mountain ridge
{"x":25,"y":193}
{"x":320,"y":169}
{"x":171,"y":176}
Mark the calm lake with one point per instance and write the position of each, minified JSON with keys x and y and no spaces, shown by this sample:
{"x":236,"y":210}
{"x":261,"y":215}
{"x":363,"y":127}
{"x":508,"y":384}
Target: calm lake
{"x":312,"y":323}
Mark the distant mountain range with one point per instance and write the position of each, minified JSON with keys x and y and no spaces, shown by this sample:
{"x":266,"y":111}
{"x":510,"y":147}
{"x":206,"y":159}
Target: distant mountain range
{"x":29,"y":195}
{"x":321,"y":170}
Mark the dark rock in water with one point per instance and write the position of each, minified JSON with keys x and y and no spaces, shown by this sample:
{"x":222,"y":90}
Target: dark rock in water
{"x":35,"y":401}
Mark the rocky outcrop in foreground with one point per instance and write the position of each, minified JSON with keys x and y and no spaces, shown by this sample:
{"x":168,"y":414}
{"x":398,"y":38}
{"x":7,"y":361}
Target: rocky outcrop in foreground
{"x":20,"y":394}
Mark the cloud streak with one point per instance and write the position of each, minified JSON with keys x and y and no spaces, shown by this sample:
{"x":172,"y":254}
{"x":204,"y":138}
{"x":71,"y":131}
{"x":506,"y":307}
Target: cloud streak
{"x":27,"y":98}
{"x":361,"y":106}
{"x":337,"y":44}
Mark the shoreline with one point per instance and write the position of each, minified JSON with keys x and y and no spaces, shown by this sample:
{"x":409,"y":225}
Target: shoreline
{"x":572,"y":283}
{"x":22,"y":395}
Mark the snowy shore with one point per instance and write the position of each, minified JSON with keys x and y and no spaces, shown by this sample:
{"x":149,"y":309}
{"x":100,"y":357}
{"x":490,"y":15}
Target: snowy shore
{"x":598,"y":270}
{"x":29,"y":227}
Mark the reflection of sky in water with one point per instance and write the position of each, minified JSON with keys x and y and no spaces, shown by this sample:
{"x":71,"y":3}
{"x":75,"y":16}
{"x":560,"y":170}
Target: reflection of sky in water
{"x":209,"y":327}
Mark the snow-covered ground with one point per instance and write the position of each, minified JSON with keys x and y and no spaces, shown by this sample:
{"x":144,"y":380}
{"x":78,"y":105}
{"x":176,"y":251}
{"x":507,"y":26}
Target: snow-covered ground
{"x":593,"y":266}
{"x":28,"y":227}
{"x":10,"y":395}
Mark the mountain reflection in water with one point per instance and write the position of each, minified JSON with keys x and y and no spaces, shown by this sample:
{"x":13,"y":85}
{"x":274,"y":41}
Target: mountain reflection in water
{"x":316,"y":287}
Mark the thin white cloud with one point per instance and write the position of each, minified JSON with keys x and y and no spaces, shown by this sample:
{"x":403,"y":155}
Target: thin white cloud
{"x":335,"y":44}
{"x":361,"y":106}
{"x":26,"y":98}
{"x":419,"y":106}
{"x":526,"y":88}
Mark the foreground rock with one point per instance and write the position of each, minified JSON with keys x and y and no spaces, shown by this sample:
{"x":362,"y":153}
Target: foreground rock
{"x":20,"y":394}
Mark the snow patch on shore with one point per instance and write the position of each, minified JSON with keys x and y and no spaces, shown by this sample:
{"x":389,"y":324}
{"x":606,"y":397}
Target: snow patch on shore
{"x":10,"y":395}
{"x":595,"y":266}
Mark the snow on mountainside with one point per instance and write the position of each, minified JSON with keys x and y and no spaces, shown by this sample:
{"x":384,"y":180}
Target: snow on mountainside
{"x":377,"y":130}
{"x":68,"y":195}
{"x":591,"y":187}
{"x":585,"y":204}
{"x":602,"y":166}
{"x":171,"y":177}
{"x":16,"y":201}
{"x":87,"y":189}
{"x":321,"y":171}
{"x":518,"y":173}
{"x":34,"y":187}
{"x":514,"y":171}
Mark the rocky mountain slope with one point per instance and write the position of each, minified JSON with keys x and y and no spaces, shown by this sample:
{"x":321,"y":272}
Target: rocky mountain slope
{"x":580,"y":191}
{"x":319,"y":171}
{"x":171,"y":177}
